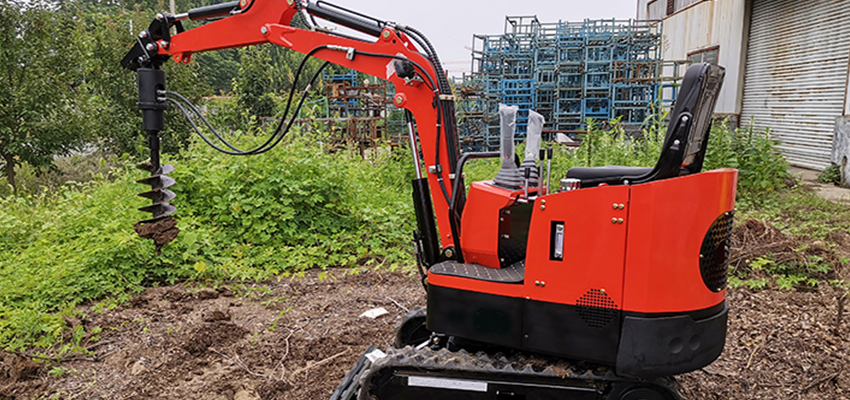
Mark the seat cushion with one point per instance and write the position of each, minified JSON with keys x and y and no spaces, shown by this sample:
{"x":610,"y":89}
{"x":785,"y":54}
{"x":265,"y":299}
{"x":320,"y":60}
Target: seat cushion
{"x":606,"y":174}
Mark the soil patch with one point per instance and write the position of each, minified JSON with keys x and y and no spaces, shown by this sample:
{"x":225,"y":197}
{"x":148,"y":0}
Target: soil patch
{"x":780,"y":345}
{"x":296,"y":339}
{"x":161,"y":231}
{"x":293,"y":339}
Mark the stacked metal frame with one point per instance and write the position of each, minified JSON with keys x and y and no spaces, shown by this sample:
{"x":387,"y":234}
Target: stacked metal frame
{"x":571,"y":72}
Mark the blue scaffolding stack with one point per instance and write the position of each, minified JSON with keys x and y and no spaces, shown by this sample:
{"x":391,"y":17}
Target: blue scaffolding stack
{"x":340,"y":101}
{"x":571,"y":72}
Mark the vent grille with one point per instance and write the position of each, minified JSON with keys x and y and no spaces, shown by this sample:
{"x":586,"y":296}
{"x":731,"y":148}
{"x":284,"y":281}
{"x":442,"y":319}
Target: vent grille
{"x":596,"y":308}
{"x":714,"y":254}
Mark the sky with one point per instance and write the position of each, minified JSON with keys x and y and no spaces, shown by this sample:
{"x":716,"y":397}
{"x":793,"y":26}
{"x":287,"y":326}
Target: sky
{"x":449,"y":25}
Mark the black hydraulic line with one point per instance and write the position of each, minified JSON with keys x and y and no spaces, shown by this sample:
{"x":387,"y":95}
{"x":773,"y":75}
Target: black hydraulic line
{"x":215,"y":10}
{"x":346,"y":18}
{"x":270,"y":143}
{"x":279,"y":133}
{"x":432,"y":54}
{"x":424,"y":210}
{"x":449,"y":124}
{"x":277,"y":136}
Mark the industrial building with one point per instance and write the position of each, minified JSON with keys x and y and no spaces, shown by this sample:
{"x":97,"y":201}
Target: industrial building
{"x":786,"y":62}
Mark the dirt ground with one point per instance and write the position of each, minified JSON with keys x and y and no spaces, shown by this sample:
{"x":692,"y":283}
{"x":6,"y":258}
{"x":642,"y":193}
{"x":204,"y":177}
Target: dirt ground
{"x":296,"y":339}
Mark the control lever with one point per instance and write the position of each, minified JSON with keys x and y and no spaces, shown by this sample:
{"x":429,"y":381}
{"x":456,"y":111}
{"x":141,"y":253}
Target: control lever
{"x":527,"y":172}
{"x":508,"y":176}
{"x":542,"y":156}
{"x":532,"y":146}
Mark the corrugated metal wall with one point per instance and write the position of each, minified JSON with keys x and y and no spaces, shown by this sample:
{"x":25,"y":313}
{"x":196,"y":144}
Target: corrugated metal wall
{"x":680,"y":4}
{"x":708,"y":24}
{"x":657,"y":9}
{"x":796,"y":74}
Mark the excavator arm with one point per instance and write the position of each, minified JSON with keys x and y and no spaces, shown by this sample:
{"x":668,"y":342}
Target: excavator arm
{"x":397,"y":53}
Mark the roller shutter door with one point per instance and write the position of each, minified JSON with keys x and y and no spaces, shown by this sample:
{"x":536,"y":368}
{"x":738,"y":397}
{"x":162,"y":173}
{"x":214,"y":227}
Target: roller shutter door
{"x":796,"y":74}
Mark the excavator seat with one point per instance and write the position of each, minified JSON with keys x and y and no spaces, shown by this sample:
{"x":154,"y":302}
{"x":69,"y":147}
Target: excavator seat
{"x":687,"y":135}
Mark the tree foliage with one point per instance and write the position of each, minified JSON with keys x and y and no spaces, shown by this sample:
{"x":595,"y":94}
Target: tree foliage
{"x":39,"y":117}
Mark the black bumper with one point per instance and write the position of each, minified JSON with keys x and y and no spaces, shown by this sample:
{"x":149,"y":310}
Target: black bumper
{"x":661,"y":346}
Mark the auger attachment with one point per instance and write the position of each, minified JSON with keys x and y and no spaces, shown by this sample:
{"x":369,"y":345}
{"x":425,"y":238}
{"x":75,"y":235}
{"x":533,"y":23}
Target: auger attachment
{"x":161,"y":227}
{"x":159,"y":195}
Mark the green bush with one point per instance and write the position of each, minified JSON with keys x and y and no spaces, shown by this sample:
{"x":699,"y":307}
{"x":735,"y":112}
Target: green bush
{"x":298,"y":207}
{"x":761,"y":168}
{"x":832,"y":174}
{"x":293,"y":208}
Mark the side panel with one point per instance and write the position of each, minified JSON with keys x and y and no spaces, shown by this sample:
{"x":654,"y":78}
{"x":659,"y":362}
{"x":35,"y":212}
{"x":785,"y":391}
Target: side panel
{"x":594,"y":246}
{"x":477,"y":316}
{"x":479,"y":230}
{"x":668,"y":220}
{"x":574,"y":332}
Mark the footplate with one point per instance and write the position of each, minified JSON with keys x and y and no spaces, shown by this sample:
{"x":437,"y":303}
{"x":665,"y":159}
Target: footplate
{"x":512,"y":274}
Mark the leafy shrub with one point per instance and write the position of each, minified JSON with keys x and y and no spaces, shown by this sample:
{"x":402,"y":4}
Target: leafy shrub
{"x":761,"y":168}
{"x":298,"y":207}
{"x":832,"y":174}
{"x":78,"y":168}
{"x":290,"y":209}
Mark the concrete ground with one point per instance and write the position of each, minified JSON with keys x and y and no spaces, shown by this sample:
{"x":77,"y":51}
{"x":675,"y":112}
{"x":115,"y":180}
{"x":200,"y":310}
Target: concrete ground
{"x":825,"y":190}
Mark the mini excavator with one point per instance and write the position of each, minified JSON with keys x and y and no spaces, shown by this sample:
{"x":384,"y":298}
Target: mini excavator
{"x":603,"y":287}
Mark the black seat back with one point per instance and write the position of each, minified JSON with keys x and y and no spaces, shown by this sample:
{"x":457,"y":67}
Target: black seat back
{"x":687,"y":135}
{"x":690,"y":122}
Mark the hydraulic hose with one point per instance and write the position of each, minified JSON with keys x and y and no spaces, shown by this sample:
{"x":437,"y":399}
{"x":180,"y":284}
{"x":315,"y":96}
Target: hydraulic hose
{"x":278,"y":134}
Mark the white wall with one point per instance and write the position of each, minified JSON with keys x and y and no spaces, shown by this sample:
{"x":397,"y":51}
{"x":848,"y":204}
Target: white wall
{"x":712,"y":23}
{"x":656,"y":9}
{"x":641,"y":10}
{"x":847,"y":95}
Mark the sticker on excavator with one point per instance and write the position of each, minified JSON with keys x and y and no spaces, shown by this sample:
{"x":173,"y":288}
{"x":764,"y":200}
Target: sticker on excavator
{"x":375,"y":355}
{"x":442,"y":383}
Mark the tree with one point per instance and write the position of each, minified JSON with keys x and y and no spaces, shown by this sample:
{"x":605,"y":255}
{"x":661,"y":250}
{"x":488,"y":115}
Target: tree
{"x":219,"y":68}
{"x":254,"y":84}
{"x":109,"y":92}
{"x":39,"y":118}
